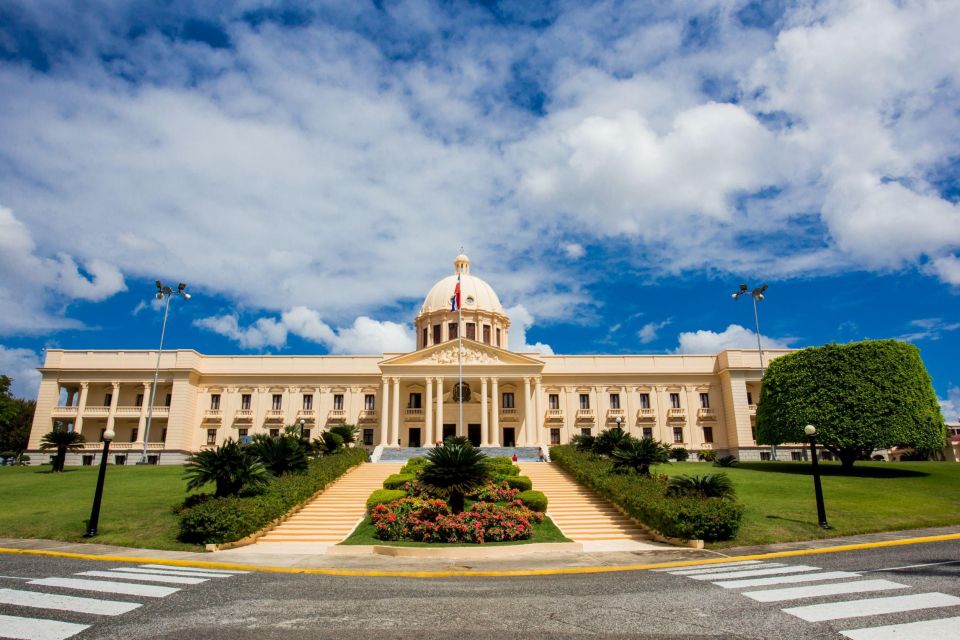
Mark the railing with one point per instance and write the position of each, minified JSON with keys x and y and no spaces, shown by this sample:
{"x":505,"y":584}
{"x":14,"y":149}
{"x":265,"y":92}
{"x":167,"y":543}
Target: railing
{"x":63,"y":412}
{"x":161,"y":412}
{"x":274,"y":415}
{"x":613,"y":414}
{"x":307,"y":414}
{"x":128,"y":412}
{"x":752,"y":408}
{"x":585,"y":415}
{"x":243,"y":415}
{"x":676,"y":413}
{"x":96,"y":411}
{"x":413,"y":414}
{"x":213,"y":415}
{"x":121,"y":446}
{"x":706,"y":414}
{"x":337,"y":415}
{"x":555,"y":415}
{"x":646,"y":415}
{"x":368,"y":415}
{"x":510,"y":413}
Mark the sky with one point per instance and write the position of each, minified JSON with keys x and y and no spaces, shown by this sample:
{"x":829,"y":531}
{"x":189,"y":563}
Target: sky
{"x":613,"y":169}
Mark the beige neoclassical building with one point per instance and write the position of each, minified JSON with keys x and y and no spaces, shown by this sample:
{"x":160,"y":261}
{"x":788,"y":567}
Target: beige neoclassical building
{"x":701,"y":402}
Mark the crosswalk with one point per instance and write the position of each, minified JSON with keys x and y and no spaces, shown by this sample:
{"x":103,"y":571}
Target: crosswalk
{"x":773,"y":582}
{"x":55,"y":595}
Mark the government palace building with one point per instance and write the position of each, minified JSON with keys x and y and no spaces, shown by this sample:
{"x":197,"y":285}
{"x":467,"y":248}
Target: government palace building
{"x":700,"y":402}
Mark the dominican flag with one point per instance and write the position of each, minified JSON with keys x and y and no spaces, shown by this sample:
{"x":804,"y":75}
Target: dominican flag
{"x":455,"y":299}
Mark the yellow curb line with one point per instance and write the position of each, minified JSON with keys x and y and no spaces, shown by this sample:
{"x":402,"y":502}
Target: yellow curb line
{"x":373,"y":573}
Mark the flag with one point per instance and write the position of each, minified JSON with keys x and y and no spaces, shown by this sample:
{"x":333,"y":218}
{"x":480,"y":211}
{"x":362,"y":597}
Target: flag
{"x":455,"y":299}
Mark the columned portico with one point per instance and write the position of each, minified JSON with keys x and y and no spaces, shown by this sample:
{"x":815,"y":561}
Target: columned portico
{"x":484,"y":415}
{"x":494,"y":437}
{"x":439,"y":423}
{"x":537,"y":436}
{"x":428,"y":414}
{"x":395,"y":413}
{"x":527,"y":413}
{"x":384,"y":413}
{"x":81,"y":407}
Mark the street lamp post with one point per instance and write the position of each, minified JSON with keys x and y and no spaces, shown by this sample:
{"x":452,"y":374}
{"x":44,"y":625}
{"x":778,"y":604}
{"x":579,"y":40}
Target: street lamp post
{"x":811,"y":432}
{"x":98,"y":494}
{"x":619,"y":421}
{"x":162,"y":292}
{"x":757,"y":296}
{"x":302,"y":423}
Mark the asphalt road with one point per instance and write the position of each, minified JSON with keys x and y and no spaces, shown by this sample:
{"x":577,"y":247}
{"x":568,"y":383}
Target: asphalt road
{"x":648,"y":604}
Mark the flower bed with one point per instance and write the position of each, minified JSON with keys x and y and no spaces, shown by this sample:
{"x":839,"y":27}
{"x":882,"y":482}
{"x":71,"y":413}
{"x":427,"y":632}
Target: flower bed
{"x":429,"y":520}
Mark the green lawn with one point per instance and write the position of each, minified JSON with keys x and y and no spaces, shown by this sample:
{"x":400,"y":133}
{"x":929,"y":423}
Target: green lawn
{"x":136,"y":508}
{"x":365,"y":533}
{"x":878,"y":496}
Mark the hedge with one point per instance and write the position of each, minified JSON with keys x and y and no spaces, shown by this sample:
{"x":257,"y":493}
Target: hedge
{"x":645,"y":499}
{"x":398,"y":480}
{"x":520,"y":482}
{"x":383,"y":496}
{"x":533,"y":500}
{"x":414,"y":466}
{"x":501,"y":468}
{"x":220,"y":520}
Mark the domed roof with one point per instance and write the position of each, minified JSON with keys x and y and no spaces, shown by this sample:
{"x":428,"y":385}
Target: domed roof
{"x":475,"y":293}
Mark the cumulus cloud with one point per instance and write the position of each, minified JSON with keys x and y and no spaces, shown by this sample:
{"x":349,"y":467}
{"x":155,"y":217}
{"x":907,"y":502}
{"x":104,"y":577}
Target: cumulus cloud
{"x":521,"y":320}
{"x":648,"y":332}
{"x":705,"y":341}
{"x":951,"y":405}
{"x":264,"y":332}
{"x":21,"y":366}
{"x":574,"y":250}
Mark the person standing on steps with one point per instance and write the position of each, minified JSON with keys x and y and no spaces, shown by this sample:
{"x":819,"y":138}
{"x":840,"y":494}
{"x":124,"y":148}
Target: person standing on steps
{"x":514,"y":457}
{"x":543,"y":455}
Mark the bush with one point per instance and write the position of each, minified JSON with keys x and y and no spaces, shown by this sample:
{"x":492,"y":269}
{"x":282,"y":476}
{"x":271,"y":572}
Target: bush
{"x":398,"y":480}
{"x":712,"y":485}
{"x":646,"y":500}
{"x":725,"y":461}
{"x":414,"y":466}
{"x":679,"y":454}
{"x":523,"y":483}
{"x":707,"y":455}
{"x":502,"y":468}
{"x":227,"y":519}
{"x":533,"y":500}
{"x":383,"y":496}
{"x":430,"y":521}
{"x":495,"y":492}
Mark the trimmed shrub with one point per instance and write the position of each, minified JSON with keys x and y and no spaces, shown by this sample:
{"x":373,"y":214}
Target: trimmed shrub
{"x":533,"y":500}
{"x":712,"y":485}
{"x":495,"y":492}
{"x":523,"y":483}
{"x":684,"y":517}
{"x":383,"y":496}
{"x":398,"y":480}
{"x":679,"y":454}
{"x":502,"y":468}
{"x":414,"y":466}
{"x":430,"y":521}
{"x":227,"y":519}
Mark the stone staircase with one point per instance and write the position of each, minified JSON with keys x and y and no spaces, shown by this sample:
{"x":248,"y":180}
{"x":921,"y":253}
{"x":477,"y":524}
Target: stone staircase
{"x":581,"y":514}
{"x":393,"y":454}
{"x":334,"y":514}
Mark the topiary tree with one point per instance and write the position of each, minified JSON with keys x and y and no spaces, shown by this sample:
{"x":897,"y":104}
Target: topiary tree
{"x":455,"y":470}
{"x":231,"y":467}
{"x":861,"y":396}
{"x":63,"y":441}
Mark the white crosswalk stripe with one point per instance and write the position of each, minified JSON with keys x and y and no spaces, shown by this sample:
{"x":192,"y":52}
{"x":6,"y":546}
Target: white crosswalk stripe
{"x":107,"y":586}
{"x":924,"y":630}
{"x":37,"y":629}
{"x":708,"y":565}
{"x":173,"y":567}
{"x":749,"y":573}
{"x":819,"y":590}
{"x":787,"y":579}
{"x":40,"y":600}
{"x":872,"y":606}
{"x":163,"y":572}
{"x":142,"y":577}
{"x":696,"y":572}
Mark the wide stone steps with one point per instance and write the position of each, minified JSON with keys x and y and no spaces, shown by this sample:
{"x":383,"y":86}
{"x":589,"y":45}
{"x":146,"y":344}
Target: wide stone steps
{"x":333,"y":515}
{"x":581,"y":514}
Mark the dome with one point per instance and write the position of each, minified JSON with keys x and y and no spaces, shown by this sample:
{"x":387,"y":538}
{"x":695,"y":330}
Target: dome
{"x":475,"y":293}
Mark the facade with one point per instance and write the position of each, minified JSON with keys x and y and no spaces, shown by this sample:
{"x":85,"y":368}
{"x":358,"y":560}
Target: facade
{"x":700,"y":402}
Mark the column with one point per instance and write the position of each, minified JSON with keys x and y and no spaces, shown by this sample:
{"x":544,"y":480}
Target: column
{"x":527,"y":414}
{"x":395,"y":411}
{"x":440,"y":409}
{"x":142,"y":422}
{"x":484,"y":416}
{"x":538,"y":413}
{"x":81,"y":405}
{"x":114,"y":398}
{"x":384,"y":415}
{"x":428,"y":415}
{"x":494,"y":437}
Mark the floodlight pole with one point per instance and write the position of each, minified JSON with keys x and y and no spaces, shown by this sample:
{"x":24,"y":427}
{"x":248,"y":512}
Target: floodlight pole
{"x":757,"y":295}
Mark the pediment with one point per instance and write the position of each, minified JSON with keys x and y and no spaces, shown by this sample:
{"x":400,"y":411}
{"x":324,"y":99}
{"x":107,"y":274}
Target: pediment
{"x":474,"y":353}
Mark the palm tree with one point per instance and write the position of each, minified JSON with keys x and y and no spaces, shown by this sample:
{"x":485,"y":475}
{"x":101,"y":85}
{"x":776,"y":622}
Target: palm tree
{"x":348,"y":432}
{"x":583,"y":442}
{"x":712,"y":485}
{"x":280,"y":454}
{"x":455,"y":470}
{"x":328,"y":442}
{"x":63,"y":441}
{"x":639,"y":455}
{"x":231,"y":466}
{"x":607,"y":441}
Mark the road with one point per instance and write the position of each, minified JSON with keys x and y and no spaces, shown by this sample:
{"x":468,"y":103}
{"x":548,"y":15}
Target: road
{"x":892,"y":586}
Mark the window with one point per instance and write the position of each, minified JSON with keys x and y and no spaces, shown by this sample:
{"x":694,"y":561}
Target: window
{"x":705,"y":400}
{"x":452,"y":330}
{"x":678,"y":434}
{"x":274,"y":433}
{"x":242,"y":433}
{"x":585,"y":431}
{"x":369,"y":402}
{"x":749,"y":398}
{"x":338,"y":402}
{"x":120,"y":460}
{"x":133,"y":434}
{"x":675,"y":400}
{"x":245,"y":402}
{"x":423,"y":341}
{"x":308,"y":402}
{"x":644,"y":400}
{"x":708,"y":434}
{"x":584,"y":400}
{"x":167,"y":399}
{"x":368,"y":437}
{"x":88,"y":461}
{"x":765,"y":456}
{"x":107,"y":399}
{"x":139,"y":401}
{"x":437,"y":338}
{"x":508,"y":400}
{"x":215,"y":401}
{"x":277,"y":402}
{"x":471,"y":331}
{"x":486,"y":334}
{"x":415,"y":401}
{"x":648,"y":433}
{"x":554,"y":436}
{"x":498,"y":337}
{"x":614,"y":400}
{"x":211,"y":436}
{"x":553,"y":401}
{"x":796,"y":455}
{"x":306,"y":434}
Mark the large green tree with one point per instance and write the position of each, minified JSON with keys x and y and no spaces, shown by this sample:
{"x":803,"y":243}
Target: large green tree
{"x":860,"y":396}
{"x":16,"y":418}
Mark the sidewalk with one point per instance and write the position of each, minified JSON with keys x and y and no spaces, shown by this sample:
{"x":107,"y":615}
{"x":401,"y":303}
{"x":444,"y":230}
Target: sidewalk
{"x":519,"y":562}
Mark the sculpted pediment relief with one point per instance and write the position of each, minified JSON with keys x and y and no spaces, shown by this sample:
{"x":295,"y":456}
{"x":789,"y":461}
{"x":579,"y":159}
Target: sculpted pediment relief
{"x":474,"y":353}
{"x":451,"y":355}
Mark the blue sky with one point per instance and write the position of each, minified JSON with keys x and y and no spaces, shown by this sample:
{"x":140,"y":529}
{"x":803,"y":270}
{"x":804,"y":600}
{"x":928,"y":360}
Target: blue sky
{"x":614,"y":170}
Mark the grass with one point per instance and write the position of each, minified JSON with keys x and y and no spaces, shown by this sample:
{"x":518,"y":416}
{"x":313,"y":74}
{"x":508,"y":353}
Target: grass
{"x":135,"y":512}
{"x":366,"y":533}
{"x":877,"y":496}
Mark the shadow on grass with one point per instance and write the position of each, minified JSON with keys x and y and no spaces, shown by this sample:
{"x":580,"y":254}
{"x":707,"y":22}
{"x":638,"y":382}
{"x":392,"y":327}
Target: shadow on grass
{"x":804,"y":469}
{"x":805,"y":522}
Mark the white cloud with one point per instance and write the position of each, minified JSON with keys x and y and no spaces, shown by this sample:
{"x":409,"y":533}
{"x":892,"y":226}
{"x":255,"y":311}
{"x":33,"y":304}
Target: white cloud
{"x":21,"y":366}
{"x":574,"y":250}
{"x":705,"y":341}
{"x":521,"y":321}
{"x":264,"y":332}
{"x":951,"y":406}
{"x":928,"y":329}
{"x":648,"y":332}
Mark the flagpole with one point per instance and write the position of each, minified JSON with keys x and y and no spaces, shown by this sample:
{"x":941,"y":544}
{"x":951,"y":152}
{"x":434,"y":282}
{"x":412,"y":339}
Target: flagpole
{"x":460,"y":357}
